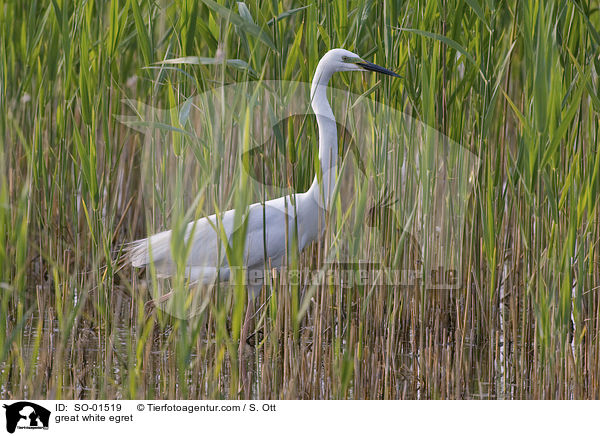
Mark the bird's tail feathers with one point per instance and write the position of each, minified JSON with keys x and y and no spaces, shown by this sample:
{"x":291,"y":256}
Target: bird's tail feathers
{"x":154,"y":249}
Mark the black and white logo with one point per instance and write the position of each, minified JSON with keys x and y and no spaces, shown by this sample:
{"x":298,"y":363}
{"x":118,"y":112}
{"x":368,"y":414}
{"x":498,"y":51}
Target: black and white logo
{"x":26,"y":415}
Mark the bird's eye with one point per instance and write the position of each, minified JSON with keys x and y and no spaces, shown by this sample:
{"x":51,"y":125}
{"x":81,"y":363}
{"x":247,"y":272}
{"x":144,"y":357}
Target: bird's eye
{"x":345,"y":58}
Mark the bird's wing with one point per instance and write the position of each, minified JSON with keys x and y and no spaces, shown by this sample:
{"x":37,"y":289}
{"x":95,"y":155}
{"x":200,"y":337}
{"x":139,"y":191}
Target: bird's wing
{"x":207,"y":257}
{"x":269,"y":227}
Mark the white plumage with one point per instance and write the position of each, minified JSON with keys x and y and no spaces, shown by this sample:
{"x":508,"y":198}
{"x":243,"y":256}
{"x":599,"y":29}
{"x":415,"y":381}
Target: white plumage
{"x":266,"y":237}
{"x":207,"y":259}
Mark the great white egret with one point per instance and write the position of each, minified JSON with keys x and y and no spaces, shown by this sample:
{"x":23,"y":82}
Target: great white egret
{"x":270,"y":225}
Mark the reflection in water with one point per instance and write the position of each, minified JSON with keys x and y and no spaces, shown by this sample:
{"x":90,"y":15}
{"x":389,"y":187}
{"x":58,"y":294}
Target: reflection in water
{"x":424,"y":355}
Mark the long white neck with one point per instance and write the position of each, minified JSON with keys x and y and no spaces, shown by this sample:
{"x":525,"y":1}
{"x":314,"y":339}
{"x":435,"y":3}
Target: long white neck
{"x":322,"y":191}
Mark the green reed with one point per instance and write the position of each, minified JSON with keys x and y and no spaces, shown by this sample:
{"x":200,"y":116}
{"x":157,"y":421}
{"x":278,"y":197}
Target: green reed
{"x":514,"y":83}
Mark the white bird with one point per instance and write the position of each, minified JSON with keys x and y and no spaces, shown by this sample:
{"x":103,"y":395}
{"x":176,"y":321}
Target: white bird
{"x":266,"y":239}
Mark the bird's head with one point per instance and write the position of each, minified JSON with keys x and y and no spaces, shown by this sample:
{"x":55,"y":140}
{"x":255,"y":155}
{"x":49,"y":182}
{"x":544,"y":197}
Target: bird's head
{"x":339,"y":59}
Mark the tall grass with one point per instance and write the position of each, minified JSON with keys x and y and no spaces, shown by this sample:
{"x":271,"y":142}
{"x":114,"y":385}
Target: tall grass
{"x":514,"y":84}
